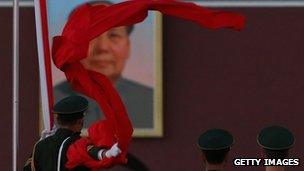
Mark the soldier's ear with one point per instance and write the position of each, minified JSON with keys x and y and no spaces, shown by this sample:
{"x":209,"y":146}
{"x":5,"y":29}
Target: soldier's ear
{"x":226,"y":158}
{"x":203,"y":157}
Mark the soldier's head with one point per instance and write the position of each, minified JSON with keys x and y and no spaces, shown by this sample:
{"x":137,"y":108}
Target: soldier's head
{"x":215,"y":145}
{"x":275,"y":142}
{"x":70,"y":112}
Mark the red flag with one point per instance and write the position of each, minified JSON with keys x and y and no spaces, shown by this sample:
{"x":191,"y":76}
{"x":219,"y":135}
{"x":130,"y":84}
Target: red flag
{"x":88,"y":22}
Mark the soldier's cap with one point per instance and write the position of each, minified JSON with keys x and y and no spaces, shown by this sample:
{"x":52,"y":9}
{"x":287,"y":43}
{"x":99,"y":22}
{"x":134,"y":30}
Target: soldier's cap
{"x":71,"y":107}
{"x":215,"y":139}
{"x":275,"y":138}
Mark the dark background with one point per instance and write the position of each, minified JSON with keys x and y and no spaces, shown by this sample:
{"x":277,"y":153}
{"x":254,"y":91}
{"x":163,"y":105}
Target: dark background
{"x":239,"y":81}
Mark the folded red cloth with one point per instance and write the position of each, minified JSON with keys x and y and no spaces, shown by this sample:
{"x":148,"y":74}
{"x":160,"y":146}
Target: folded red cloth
{"x":101,"y":135}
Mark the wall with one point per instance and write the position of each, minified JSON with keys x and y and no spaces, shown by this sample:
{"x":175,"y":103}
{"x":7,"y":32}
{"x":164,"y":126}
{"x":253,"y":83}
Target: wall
{"x":29,"y":86}
{"x":240,"y":81}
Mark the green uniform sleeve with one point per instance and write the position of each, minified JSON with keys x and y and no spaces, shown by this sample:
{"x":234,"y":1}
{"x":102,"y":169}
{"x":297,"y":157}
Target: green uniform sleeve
{"x":93,"y":151}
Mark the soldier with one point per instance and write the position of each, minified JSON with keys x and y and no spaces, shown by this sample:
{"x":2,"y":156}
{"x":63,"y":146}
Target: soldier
{"x":276,"y":142}
{"x":215,"y":145}
{"x":49,"y":154}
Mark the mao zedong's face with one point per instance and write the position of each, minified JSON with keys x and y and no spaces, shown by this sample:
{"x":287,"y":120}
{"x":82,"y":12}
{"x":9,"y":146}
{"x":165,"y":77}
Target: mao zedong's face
{"x":108,"y":53}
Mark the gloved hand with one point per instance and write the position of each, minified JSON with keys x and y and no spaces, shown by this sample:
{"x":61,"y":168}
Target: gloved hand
{"x":113,"y":151}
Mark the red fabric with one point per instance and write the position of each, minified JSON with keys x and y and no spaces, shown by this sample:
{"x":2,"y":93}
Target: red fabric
{"x":86,"y":23}
{"x":101,"y":135}
{"x":77,"y":155}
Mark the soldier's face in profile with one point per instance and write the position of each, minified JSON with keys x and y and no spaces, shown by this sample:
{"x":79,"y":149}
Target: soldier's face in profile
{"x":107,"y":53}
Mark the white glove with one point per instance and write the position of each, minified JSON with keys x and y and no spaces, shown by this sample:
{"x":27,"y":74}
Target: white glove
{"x":113,"y":152}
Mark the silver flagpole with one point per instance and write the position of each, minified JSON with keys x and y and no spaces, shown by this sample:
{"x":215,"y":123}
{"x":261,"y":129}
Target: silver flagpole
{"x":15,"y":81}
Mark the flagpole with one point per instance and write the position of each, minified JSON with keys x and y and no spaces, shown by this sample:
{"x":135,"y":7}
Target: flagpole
{"x":42,"y":69}
{"x":15,"y":82}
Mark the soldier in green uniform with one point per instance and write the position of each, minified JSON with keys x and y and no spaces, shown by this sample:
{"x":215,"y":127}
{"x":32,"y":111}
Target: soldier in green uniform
{"x":49,"y":154}
{"x":215,"y":145}
{"x":276,"y":142}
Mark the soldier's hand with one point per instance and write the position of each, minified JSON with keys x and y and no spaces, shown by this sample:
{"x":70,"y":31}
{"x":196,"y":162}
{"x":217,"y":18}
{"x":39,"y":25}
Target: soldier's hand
{"x":113,"y":151}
